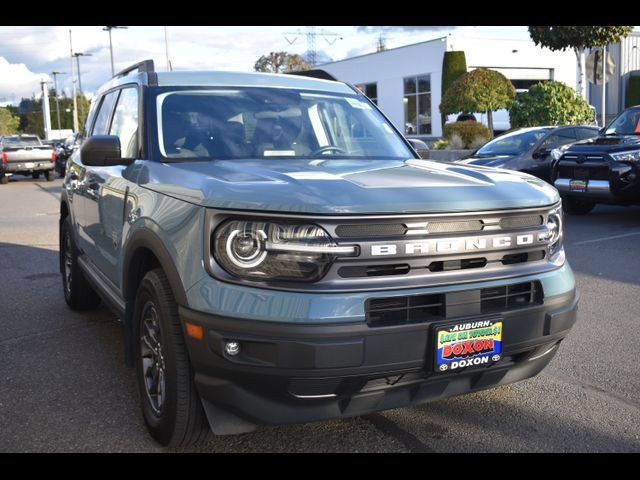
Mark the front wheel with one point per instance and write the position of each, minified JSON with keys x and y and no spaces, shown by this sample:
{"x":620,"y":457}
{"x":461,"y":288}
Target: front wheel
{"x":577,"y":206}
{"x":78,"y":293}
{"x":170,"y":403}
{"x":4,"y":180}
{"x":51,"y":175}
{"x":35,"y":175}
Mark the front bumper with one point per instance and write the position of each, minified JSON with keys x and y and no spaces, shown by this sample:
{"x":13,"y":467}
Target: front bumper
{"x":604,"y":180}
{"x":294,"y":373}
{"x":27,"y":167}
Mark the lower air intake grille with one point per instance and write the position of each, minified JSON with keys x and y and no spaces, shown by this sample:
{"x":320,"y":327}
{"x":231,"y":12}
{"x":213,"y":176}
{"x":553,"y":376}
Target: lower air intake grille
{"x":433,"y":307}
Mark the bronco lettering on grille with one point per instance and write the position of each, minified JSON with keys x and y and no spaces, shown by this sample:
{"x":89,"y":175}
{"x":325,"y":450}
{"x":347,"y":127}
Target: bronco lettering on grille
{"x":453,"y":245}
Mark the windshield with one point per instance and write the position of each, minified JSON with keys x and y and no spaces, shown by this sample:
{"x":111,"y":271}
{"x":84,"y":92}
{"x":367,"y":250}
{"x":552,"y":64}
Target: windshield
{"x":513,"y":143}
{"x":21,"y":142}
{"x":270,"y":122}
{"x":627,"y":123}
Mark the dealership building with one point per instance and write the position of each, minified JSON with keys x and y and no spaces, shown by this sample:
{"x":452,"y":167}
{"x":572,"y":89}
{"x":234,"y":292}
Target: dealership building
{"x":406,"y":81}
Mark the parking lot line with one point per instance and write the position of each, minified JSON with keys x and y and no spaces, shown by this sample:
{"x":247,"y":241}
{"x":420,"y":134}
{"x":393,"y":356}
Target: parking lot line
{"x":613,"y":237}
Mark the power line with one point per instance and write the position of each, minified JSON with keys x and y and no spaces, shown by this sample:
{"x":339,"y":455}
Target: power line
{"x":311,"y":33}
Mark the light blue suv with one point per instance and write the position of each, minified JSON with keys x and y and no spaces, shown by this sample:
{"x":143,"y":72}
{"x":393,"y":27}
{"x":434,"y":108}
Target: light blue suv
{"x":278,"y":253}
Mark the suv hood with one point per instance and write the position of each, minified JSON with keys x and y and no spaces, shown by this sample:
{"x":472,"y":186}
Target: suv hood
{"x":345,"y":186}
{"x":604,"y":143}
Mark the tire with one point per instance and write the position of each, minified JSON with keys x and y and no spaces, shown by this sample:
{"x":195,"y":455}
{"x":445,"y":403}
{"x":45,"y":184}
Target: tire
{"x":4,"y":180}
{"x":35,"y":175}
{"x":175,"y":417}
{"x":78,"y":293}
{"x":576,"y":206}
{"x":51,"y":175}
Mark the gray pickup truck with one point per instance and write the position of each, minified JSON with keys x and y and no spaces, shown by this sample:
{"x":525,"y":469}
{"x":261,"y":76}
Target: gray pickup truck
{"x":26,"y":155}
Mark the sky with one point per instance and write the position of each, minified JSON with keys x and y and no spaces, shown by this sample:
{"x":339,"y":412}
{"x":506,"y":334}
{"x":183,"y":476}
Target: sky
{"x":28,"y":54}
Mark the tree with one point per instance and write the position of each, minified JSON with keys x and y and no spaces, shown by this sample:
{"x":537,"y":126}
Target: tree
{"x":550,"y":103}
{"x":31,"y":120}
{"x":578,"y":38}
{"x":277,"y":62}
{"x":480,"y":90}
{"x":8,"y":122}
{"x":454,"y":65}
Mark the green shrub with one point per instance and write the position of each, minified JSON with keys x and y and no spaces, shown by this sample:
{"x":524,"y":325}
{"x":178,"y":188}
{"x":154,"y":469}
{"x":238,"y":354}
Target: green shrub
{"x":633,"y":92}
{"x":454,"y":64}
{"x":550,"y":103}
{"x":468,"y":132}
{"x":441,"y":144}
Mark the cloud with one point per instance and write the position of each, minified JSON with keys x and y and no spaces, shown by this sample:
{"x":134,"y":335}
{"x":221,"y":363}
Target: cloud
{"x":18,"y":81}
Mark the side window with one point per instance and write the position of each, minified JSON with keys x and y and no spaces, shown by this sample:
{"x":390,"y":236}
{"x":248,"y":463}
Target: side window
{"x":560,"y":138}
{"x":125,"y":122}
{"x":101,"y":127}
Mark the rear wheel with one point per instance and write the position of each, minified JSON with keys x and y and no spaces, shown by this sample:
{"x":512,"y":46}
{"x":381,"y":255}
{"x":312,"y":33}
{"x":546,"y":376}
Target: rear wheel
{"x":170,"y":403}
{"x":51,"y":175}
{"x":4,"y":180}
{"x":577,"y":206}
{"x":78,"y":293}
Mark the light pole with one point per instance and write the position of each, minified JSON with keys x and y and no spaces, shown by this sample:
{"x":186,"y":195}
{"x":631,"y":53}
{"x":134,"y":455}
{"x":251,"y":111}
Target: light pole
{"x":108,"y":29}
{"x":78,"y":55}
{"x":55,"y":86}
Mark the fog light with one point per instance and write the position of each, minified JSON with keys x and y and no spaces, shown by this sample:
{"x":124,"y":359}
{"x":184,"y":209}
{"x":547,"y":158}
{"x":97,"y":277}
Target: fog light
{"x":232,"y":348}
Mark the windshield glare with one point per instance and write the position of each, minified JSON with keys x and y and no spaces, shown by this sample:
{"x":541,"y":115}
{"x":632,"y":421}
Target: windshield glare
{"x":627,"y":123}
{"x":269,"y":122}
{"x":513,"y":143}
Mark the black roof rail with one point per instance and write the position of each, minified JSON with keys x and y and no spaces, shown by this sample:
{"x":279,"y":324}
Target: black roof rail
{"x":316,"y":73}
{"x":144,"y":66}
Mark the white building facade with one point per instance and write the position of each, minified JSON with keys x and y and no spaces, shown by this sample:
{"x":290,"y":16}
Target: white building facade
{"x":405,"y":82}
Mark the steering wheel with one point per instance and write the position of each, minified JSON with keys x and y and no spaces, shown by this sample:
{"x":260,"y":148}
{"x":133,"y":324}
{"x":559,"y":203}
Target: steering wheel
{"x":327,"y":148}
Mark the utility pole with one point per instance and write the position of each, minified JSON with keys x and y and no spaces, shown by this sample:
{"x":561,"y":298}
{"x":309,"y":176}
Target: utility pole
{"x":166,"y":49}
{"x":73,"y":87}
{"x":78,"y":55}
{"x":311,"y":34}
{"x":55,"y":86}
{"x":108,"y":29}
{"x":46,"y":114}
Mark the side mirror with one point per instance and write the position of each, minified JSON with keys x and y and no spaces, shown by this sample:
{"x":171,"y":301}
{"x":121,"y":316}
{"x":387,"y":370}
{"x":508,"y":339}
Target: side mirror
{"x":540,"y":154}
{"x":419,"y":146}
{"x":103,"y":151}
{"x":556,"y":154}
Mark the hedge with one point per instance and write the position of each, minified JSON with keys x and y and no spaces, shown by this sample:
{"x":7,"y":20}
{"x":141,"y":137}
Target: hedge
{"x":468,"y":131}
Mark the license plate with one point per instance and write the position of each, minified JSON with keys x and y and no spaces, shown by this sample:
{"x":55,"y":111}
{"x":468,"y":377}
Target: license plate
{"x":578,"y":185}
{"x":468,"y":344}
{"x":28,"y":165}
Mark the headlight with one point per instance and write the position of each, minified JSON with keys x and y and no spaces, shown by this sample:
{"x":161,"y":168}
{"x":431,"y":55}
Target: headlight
{"x":276,"y":251}
{"x":631,"y":156}
{"x":554,"y":230}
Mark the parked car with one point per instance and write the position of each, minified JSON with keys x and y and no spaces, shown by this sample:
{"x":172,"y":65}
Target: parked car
{"x":605,"y":169}
{"x":530,"y":149}
{"x":278,"y":253}
{"x":25,"y":155}
{"x":64,"y":151}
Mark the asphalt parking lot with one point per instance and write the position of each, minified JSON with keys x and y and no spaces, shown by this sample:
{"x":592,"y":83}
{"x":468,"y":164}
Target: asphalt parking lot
{"x":64,"y":386}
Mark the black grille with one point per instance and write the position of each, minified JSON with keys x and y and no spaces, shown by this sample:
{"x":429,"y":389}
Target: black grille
{"x":461,"y":226}
{"x":371,"y":230}
{"x":510,"y":297}
{"x":584,"y":173}
{"x":521,"y":222}
{"x":441,"y":306}
{"x":408,"y":309}
{"x":374,"y":270}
